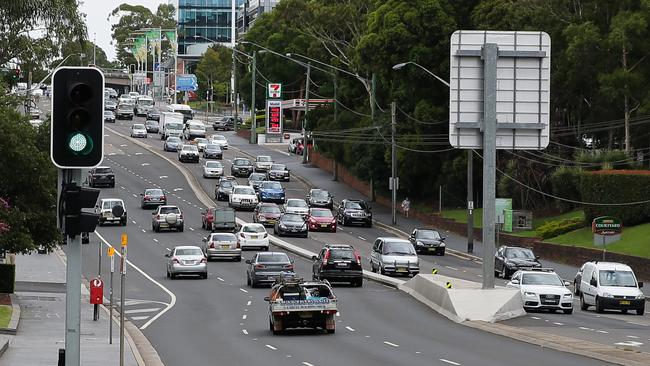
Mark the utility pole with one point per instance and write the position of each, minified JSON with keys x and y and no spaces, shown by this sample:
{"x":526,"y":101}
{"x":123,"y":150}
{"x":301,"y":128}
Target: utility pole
{"x":94,"y":47}
{"x":124,"y":240}
{"x":336,"y":121}
{"x":373,"y":84}
{"x":175,"y":65}
{"x":470,"y":201}
{"x":305,"y":147}
{"x":111,"y":254}
{"x":393,"y":162}
{"x":253,"y":114}
{"x":234,"y":88}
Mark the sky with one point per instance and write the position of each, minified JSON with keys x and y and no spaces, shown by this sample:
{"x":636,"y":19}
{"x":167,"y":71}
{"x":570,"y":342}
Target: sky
{"x":96,"y":19}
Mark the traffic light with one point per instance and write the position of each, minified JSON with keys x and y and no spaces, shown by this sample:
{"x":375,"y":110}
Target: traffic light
{"x":73,"y":199}
{"x":77,"y":128}
{"x":131,"y":69}
{"x":15,"y":75}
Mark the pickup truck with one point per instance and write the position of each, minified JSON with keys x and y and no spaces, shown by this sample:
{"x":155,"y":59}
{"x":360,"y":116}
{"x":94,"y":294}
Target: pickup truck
{"x":295,"y":303}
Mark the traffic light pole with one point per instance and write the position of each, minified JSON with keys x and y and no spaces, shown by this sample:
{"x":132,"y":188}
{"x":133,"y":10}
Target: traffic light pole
{"x":73,"y":288}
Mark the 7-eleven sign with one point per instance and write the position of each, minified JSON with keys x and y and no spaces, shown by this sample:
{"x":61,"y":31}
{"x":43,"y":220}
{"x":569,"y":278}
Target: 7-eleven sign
{"x":275,"y":90}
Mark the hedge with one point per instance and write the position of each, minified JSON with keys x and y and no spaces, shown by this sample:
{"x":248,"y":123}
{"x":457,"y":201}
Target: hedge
{"x":565,"y":182}
{"x":7,"y":278}
{"x":552,"y":229}
{"x":617,"y":186}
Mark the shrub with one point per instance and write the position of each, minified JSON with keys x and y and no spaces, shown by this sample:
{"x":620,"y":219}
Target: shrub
{"x":606,"y":159}
{"x":7,"y":278}
{"x":565,"y":183}
{"x":554,"y":228}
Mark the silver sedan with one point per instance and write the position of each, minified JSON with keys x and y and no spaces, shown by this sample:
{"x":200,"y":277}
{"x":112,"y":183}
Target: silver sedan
{"x":212,"y":169}
{"x":222,"y":245}
{"x":186,"y":260}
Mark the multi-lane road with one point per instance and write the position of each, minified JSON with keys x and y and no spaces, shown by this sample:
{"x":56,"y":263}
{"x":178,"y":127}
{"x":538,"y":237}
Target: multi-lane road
{"x":220,"y":320}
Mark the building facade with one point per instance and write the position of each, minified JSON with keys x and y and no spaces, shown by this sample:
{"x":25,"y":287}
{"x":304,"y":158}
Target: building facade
{"x":201,"y":19}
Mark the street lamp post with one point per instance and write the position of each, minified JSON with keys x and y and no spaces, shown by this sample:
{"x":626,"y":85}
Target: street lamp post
{"x":253,"y":113}
{"x":305,"y":148}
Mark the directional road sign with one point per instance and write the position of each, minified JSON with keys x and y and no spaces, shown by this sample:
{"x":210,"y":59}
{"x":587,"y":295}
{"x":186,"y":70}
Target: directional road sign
{"x":186,"y":82}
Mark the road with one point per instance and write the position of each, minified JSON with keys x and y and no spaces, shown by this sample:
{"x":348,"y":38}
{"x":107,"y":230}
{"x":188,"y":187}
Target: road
{"x":221,"y":319}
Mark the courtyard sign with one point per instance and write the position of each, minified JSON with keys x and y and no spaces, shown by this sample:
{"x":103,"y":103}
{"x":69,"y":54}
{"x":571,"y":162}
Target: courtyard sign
{"x":606,"y":225}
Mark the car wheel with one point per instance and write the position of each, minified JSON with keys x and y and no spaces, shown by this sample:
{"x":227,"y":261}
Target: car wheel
{"x":123,"y":222}
{"x":172,"y":275}
{"x":576,"y":288}
{"x":599,"y":306}
{"x":640,"y":311}
{"x":306,"y":235}
{"x":331,"y":331}
{"x":369,"y":224}
{"x":359,"y":282}
{"x":167,"y":273}
{"x":344,"y":222}
{"x":205,"y":275}
{"x":442,"y":252}
{"x":381,"y":270}
{"x":180,"y":228}
{"x":567,"y":311}
{"x":238,"y":259}
{"x":112,"y":185}
{"x":248,"y":281}
{"x":372,"y":268}
{"x":583,"y":304}
{"x":253,"y":283}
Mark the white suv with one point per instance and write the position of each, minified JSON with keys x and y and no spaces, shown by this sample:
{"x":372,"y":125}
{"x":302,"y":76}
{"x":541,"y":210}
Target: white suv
{"x":167,"y":217}
{"x":188,"y":153}
{"x":609,"y":285}
{"x":105,"y":211}
{"x":243,"y":197}
{"x":541,"y":288}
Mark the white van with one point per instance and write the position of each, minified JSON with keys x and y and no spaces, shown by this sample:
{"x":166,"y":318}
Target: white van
{"x":609,"y":285}
{"x":194,"y":128}
{"x":171,"y":124}
{"x":184,"y":109}
{"x":143,"y":105}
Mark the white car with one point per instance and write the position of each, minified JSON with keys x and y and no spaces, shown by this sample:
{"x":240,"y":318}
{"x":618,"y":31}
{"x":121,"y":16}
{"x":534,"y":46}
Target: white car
{"x":138,"y":130}
{"x":297,"y":206}
{"x":253,"y":236}
{"x":188,"y":153}
{"x":186,"y":260}
{"x":243,"y":197}
{"x":201,"y":143}
{"x":263,"y":163}
{"x":194,"y":128}
{"x":542,"y":289}
{"x":219,"y":140}
{"x":212,"y":169}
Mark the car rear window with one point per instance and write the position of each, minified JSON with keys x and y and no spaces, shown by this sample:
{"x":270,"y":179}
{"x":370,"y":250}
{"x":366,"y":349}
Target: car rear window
{"x":111,"y":204}
{"x":254,"y":229}
{"x":272,"y":258}
{"x":189,"y":251}
{"x":398,"y":248}
{"x":223,"y":237}
{"x":167,"y":210}
{"x":343,"y":254}
{"x":153,"y":192}
{"x":103,"y":170}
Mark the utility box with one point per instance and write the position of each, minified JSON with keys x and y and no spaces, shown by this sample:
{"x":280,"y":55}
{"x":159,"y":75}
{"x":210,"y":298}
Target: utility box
{"x":96,"y":291}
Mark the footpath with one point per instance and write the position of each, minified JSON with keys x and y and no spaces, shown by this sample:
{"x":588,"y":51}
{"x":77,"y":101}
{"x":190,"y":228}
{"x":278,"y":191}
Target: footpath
{"x":40,"y":292}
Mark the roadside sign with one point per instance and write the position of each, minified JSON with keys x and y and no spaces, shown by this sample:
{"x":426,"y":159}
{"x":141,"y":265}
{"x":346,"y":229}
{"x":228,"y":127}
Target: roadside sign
{"x":607,"y":225}
{"x":111,"y":251}
{"x":147,"y":80}
{"x":522,"y":89}
{"x":186,"y":82}
{"x":275,"y":90}
{"x":273,"y":117}
{"x":124,"y":239}
{"x":501,"y":205}
{"x":156,"y":66}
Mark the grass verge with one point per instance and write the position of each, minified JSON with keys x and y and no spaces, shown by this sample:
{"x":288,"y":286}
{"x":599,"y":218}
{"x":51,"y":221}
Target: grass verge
{"x":634,"y":240}
{"x":5,"y":315}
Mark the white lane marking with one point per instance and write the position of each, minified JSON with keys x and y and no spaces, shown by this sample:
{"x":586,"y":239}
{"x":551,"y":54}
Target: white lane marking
{"x":163,"y":177}
{"x":629,"y":343}
{"x":156,"y":240}
{"x":350,"y":329}
{"x":138,"y":153}
{"x":633,"y":337}
{"x":220,"y":279}
{"x":133,"y":221}
{"x":585,"y":328}
{"x":107,"y":135}
{"x":134,"y":195}
{"x":192,"y":229}
{"x":178,"y":189}
{"x":136,"y":311}
{"x":244,"y":317}
{"x":271,"y":347}
{"x":139,"y":317}
{"x":122,"y":187}
{"x":248,"y":303}
{"x":111,"y":154}
{"x":391,"y":344}
{"x":123,"y":145}
{"x":338,"y":314}
{"x":244,"y":331}
{"x":143,"y":230}
{"x":635,"y":323}
{"x":557,"y":323}
{"x":241,"y":289}
{"x":171,"y":294}
{"x":452,"y":268}
{"x":535,"y":317}
{"x":307,"y":363}
{"x":449,"y":362}
{"x":362,"y":238}
{"x":480,"y":275}
{"x":602,"y":331}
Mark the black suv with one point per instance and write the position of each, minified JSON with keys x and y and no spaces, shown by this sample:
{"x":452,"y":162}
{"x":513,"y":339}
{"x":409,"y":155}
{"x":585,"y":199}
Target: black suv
{"x":428,"y":241}
{"x":153,"y":115}
{"x":354,"y":212}
{"x":241,"y":167}
{"x":320,"y":198}
{"x":101,"y":175}
{"x":338,"y":263}
{"x":508,"y":260}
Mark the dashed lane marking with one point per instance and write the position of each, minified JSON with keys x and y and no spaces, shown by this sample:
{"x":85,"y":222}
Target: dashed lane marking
{"x":391,"y":344}
{"x":220,"y":279}
{"x":350,"y":329}
{"x":144,"y":317}
{"x":244,"y":317}
{"x":137,"y":311}
{"x":452,"y":268}
{"x":270,"y":347}
{"x":449,"y":362}
{"x":143,"y":230}
{"x":163,"y":177}
{"x":629,"y":344}
{"x":602,"y":331}
{"x":558,"y":323}
{"x":192,"y":229}
{"x":242,"y":290}
{"x":633,"y":337}
{"x":307,"y":363}
{"x":244,"y":331}
{"x":535,"y":317}
{"x":156,"y":240}
{"x":362,"y":238}
{"x":133,"y":221}
{"x":248,"y":303}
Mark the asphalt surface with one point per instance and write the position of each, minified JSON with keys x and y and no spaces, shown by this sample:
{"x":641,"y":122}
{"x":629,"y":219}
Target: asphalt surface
{"x":220,"y":320}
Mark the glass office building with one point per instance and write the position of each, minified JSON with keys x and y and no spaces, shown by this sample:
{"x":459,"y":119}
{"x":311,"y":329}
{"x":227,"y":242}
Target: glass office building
{"x":206,"y":18}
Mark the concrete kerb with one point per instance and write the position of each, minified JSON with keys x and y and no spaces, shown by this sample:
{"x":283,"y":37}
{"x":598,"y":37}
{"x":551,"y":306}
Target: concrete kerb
{"x":143,"y":346}
{"x":12,"y":327}
{"x":4,"y":345}
{"x":206,"y":200}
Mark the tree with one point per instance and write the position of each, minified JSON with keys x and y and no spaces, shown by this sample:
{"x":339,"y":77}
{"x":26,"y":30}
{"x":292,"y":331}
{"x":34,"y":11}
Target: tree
{"x":215,"y":66}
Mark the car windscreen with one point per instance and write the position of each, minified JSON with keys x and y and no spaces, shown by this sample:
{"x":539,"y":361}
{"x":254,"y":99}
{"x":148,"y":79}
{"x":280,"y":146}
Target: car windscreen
{"x":189,"y":251}
{"x":146,"y":102}
{"x":190,"y":148}
{"x":173,"y":139}
{"x":257,"y":176}
{"x":548,"y":279}
{"x":174,"y":126}
{"x":271,"y":185}
{"x":398,"y":248}
{"x":519,"y":253}
{"x":270,"y":209}
{"x":103,"y":170}
{"x":138,"y":126}
{"x":272,"y":258}
{"x":244,"y":190}
{"x":428,"y":234}
{"x":292,"y":218}
{"x":213,"y":164}
{"x":254,"y":229}
{"x":226,"y":184}
{"x":242,"y":162}
{"x":153,"y":192}
{"x":264,"y":159}
{"x":218,"y":137}
{"x":353,"y":206}
{"x":616,"y":278}
{"x":278,"y":167}
{"x":200,"y":140}
{"x":319,"y":194}
{"x":224,"y":215}
{"x":168,"y":210}
{"x":321,"y":213}
{"x":197,"y":127}
{"x":212,"y":147}
{"x":223,"y":237}
{"x":296,"y":203}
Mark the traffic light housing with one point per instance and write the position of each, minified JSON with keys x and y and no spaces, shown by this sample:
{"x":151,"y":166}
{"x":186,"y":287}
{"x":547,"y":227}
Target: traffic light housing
{"x":15,"y":75}
{"x":77,"y":128}
{"x":73,"y":199}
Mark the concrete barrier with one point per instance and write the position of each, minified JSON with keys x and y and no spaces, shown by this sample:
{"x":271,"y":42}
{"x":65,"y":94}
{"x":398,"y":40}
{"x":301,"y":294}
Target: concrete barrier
{"x":460,"y":302}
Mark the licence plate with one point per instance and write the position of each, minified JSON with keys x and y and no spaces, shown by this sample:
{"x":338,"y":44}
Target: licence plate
{"x":188,"y":262}
{"x":323,"y":225}
{"x":625,"y":302}
{"x":253,"y":236}
{"x":341,"y":264}
{"x":432,"y":249}
{"x":225,"y":246}
{"x":402,"y":270}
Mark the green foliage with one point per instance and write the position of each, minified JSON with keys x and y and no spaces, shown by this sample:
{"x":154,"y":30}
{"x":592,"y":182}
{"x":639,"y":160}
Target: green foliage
{"x":606,"y":159}
{"x":617,"y":187}
{"x":214,"y":66}
{"x":554,"y":228}
{"x":7,"y":278}
{"x":565,"y":183}
{"x":634,"y":240}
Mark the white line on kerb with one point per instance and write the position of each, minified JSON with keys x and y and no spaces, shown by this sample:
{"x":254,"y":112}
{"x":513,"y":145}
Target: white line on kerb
{"x":449,"y":362}
{"x":271,"y":347}
{"x":241,"y":289}
{"x":171,"y":294}
{"x":391,"y":344}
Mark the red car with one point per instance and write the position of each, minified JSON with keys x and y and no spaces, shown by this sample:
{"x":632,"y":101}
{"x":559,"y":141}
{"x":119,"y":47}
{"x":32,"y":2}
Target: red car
{"x":266,"y":214}
{"x":321,"y":219}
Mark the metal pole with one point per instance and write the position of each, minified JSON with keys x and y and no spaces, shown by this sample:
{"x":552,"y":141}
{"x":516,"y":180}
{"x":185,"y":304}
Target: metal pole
{"x":110,"y":302}
{"x":489,"y":159}
{"x":305,"y":149}
{"x":253,"y":114}
{"x":373,"y":88}
{"x":146,"y":65}
{"x":175,"y":66}
{"x":393,"y":161}
{"x":234,"y":87}
{"x":160,"y":78}
{"x":73,"y":289}
{"x":470,"y":201}
{"x":94,"y":47}
{"x":439,"y":199}
{"x":122,"y":295}
{"x":336,"y":122}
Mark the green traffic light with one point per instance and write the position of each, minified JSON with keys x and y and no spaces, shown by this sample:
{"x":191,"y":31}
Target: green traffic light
{"x":80,"y":143}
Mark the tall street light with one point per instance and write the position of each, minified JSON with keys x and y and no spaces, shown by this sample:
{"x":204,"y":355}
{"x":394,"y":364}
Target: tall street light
{"x":470,"y":167}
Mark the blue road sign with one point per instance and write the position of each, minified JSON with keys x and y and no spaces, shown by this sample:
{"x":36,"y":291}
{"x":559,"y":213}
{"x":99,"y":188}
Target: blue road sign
{"x":186,"y":82}
{"x":156,"y":66}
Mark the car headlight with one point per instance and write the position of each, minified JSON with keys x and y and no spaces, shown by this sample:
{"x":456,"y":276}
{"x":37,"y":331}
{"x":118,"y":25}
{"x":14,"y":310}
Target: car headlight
{"x":567,"y":295}
{"x":442,"y":244}
{"x":283,"y":226}
{"x":607,"y":294}
{"x":640,"y":297}
{"x":510,"y":264}
{"x":261,"y":218}
{"x":419,"y":243}
{"x":304,"y":226}
{"x":530,"y":294}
